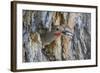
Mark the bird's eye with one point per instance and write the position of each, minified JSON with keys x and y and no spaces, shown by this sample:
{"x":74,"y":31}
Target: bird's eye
{"x":57,"y":29}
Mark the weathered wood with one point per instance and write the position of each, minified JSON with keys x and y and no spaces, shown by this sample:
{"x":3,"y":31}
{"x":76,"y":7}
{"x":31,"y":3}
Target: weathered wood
{"x":56,"y":36}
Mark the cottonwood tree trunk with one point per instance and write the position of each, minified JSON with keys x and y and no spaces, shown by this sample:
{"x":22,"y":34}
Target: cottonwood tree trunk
{"x":40,"y":44}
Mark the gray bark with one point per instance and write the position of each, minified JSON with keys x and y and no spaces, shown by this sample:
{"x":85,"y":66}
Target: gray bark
{"x":40,"y":43}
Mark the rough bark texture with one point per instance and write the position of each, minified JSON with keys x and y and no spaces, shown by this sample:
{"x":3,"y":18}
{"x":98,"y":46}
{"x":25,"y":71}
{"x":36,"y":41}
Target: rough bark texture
{"x":56,"y":36}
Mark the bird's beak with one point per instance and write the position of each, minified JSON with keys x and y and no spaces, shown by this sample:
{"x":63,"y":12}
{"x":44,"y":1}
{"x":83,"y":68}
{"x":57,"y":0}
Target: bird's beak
{"x":57,"y":34}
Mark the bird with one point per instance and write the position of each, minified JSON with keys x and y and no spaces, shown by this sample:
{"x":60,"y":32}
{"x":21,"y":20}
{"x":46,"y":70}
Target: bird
{"x":56,"y":31}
